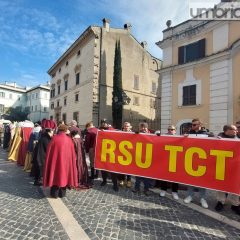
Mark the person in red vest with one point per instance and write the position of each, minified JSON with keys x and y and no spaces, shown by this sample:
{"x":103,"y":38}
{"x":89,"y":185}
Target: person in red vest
{"x":60,"y":169}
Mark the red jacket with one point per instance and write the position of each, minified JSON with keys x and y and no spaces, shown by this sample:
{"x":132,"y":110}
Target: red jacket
{"x":90,"y":139}
{"x":60,"y":166}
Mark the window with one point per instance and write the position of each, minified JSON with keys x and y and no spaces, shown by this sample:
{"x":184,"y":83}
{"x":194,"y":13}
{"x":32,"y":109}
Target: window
{"x":45,"y":95}
{"x":152,"y":103}
{"x":189,"y":95}
{"x":10,"y":96}
{"x":53,"y":75}
{"x":2,"y":94}
{"x":76,"y":116}
{"x":66,"y":63}
{"x":32,"y":108}
{"x":191,"y":52}
{"x":136,"y":82}
{"x":78,"y":53}
{"x":59,"y":70}
{"x":1,"y":108}
{"x":136,"y":101}
{"x":154,"y":87}
{"x":32,"y":96}
{"x":45,"y":109}
{"x":58,"y":103}
{"x":64,"y":117}
{"x":52,"y":105}
{"x":66,"y":85}
{"x":76,"y":97}
{"x":52,"y":93}
{"x":36,"y":95}
{"x":65,"y":101}
{"x":19,"y":97}
{"x":59,"y":88}
{"x":35,"y":108}
{"x":77,"y":78}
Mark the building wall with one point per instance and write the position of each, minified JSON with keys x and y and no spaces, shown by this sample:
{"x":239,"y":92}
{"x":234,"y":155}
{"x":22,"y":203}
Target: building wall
{"x":38,"y":103}
{"x":198,"y":74}
{"x":234,"y":33}
{"x":11,"y":97}
{"x":236,"y":86}
{"x":96,"y":64}
{"x":135,"y":61}
{"x":25,"y":97}
{"x":83,"y":64}
{"x":216,"y":75}
{"x":192,"y":39}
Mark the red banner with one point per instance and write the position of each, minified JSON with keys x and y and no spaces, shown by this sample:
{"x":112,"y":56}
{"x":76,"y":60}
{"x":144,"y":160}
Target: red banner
{"x":205,"y":162}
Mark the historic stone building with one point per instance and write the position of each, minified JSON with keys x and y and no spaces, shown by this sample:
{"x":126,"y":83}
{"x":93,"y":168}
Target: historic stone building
{"x":200,"y":74}
{"x":82,"y":78}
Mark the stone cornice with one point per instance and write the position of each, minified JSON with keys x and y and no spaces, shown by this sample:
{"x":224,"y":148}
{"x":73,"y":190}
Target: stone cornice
{"x":225,"y":54}
{"x":207,"y":60}
{"x":83,"y":36}
{"x":188,"y":32}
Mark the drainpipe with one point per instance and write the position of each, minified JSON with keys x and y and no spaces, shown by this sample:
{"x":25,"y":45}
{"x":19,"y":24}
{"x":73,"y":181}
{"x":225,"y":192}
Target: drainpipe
{"x":100,"y":77}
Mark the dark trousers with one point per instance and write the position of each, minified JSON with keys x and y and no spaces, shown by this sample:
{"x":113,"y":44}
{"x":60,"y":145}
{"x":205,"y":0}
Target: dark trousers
{"x":164,"y":185}
{"x":146,"y":183}
{"x":113,"y":177}
{"x":57,"y":191}
{"x":123,"y":177}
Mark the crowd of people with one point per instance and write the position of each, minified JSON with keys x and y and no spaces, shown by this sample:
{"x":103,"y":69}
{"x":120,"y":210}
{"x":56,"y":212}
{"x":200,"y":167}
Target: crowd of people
{"x":55,"y":156}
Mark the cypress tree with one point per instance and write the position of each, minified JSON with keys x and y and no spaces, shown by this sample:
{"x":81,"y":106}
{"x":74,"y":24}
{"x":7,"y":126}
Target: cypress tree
{"x":117,"y":99}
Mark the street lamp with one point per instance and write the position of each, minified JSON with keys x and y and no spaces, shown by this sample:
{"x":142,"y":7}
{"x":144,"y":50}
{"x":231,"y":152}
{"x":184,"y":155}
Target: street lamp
{"x":119,"y":99}
{"x":115,"y":99}
{"x":125,"y":100}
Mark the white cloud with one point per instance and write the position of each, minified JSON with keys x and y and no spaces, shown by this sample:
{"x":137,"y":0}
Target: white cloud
{"x":148,"y":18}
{"x":34,"y":32}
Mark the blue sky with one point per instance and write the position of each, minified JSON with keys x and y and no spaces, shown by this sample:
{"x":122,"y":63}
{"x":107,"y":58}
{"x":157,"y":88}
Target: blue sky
{"x":35,"y":33}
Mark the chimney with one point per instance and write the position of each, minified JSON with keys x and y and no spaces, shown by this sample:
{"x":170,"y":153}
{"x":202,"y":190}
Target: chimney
{"x":144,"y":44}
{"x":128,"y":26}
{"x":14,"y":84}
{"x":106,"y":24}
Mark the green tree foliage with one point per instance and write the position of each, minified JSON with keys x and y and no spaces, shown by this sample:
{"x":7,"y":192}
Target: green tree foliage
{"x":117,"y":99}
{"x":18,"y":113}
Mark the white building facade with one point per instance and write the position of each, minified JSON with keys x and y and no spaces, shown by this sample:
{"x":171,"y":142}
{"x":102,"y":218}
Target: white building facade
{"x":38,"y":102}
{"x":35,"y":100}
{"x":11,"y":96}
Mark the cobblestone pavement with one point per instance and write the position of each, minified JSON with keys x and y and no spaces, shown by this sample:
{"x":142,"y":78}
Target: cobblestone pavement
{"x":102,"y":213}
{"x":24,"y":211}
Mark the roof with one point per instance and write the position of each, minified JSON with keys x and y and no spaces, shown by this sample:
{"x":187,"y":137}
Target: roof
{"x":45,"y":87}
{"x":13,"y":88}
{"x":89,"y":30}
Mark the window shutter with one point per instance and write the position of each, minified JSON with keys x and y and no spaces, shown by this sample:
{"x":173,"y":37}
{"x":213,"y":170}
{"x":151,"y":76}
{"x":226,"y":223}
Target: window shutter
{"x":202,"y":48}
{"x":181,"y":55}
